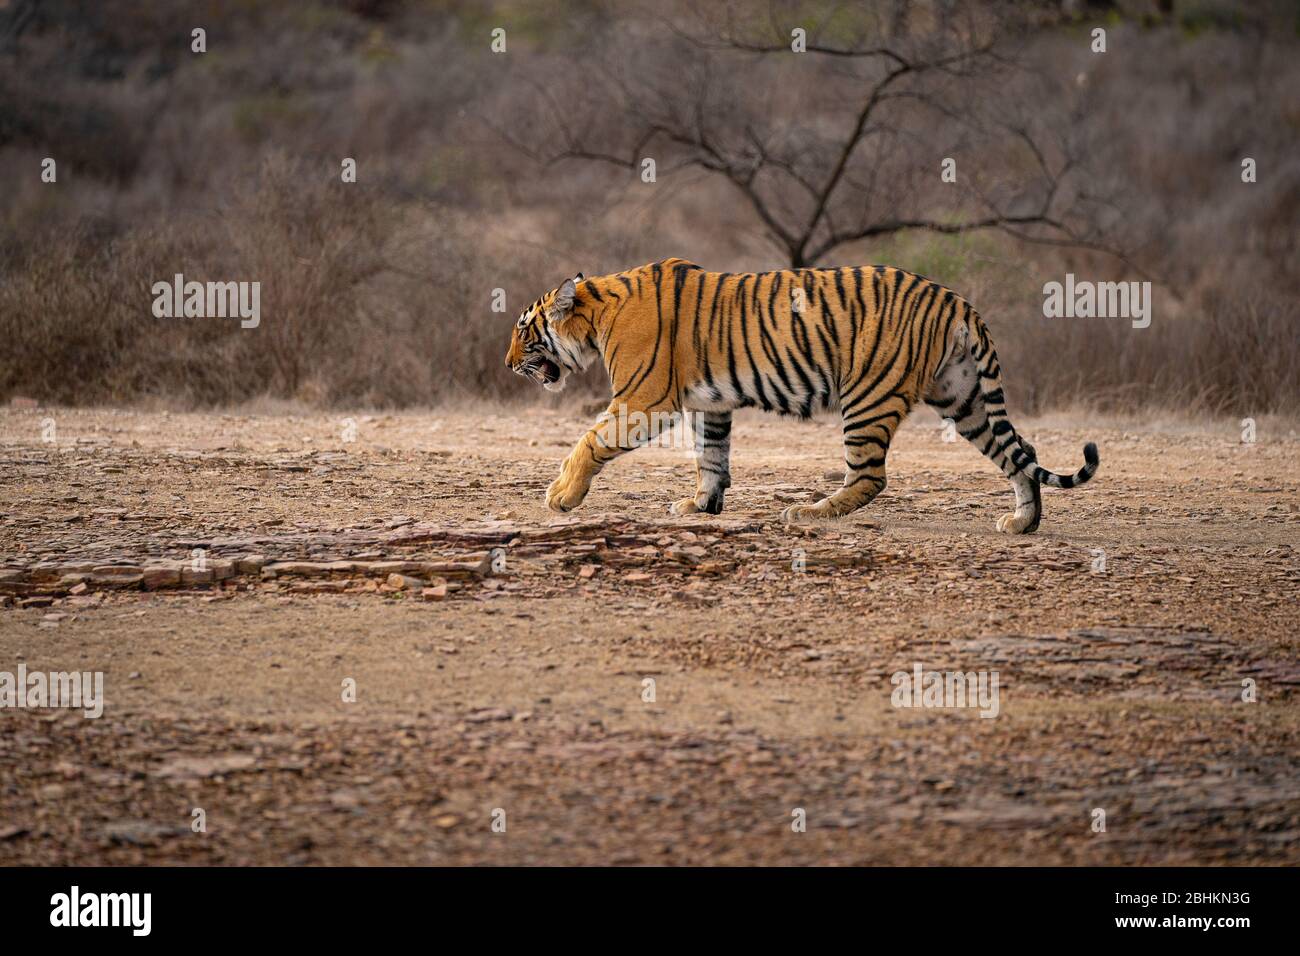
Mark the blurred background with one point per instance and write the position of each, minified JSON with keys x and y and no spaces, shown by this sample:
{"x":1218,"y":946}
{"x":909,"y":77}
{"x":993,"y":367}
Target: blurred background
{"x":482,"y":169}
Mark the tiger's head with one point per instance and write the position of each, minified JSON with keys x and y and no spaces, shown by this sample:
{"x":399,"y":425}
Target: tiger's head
{"x":550,"y":341}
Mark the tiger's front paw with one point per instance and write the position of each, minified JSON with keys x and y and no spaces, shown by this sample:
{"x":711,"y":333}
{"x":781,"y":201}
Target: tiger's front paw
{"x":817,"y":512}
{"x":1010,"y":524}
{"x":686,"y":506}
{"x":564,"y":494}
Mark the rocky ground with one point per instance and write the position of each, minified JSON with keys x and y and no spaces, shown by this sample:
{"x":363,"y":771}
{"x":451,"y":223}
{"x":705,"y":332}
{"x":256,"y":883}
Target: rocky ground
{"x":623,"y":686}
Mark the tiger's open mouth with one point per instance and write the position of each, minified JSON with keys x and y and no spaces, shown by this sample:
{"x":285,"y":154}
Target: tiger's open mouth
{"x":542,"y":371}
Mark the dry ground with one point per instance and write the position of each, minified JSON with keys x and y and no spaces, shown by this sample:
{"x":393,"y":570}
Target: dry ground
{"x":524,"y":690}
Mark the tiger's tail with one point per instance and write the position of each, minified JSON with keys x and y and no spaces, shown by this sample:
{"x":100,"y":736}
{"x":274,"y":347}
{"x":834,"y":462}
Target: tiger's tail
{"x":1011,"y":452}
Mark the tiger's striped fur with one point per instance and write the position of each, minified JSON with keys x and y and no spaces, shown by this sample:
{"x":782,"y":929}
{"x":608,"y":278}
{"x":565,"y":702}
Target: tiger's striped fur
{"x":871,"y":341}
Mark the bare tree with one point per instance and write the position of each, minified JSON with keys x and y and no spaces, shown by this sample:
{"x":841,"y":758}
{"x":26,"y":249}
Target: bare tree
{"x":832,"y":141}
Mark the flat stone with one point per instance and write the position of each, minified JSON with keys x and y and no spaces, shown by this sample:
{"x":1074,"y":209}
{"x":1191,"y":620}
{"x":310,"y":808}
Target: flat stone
{"x":112,"y":576}
{"x":161,"y":576}
{"x":402,"y":582}
{"x":308,"y":568}
{"x":191,"y":575}
{"x":250,"y":564}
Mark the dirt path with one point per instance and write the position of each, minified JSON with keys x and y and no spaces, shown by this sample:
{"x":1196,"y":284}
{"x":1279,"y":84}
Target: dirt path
{"x":522,"y":687}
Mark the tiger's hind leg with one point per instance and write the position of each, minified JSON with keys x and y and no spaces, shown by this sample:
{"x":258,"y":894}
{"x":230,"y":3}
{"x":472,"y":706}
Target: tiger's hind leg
{"x":1033,"y":510}
{"x":956,"y":395}
{"x":712,"y":463}
{"x":867,"y":434}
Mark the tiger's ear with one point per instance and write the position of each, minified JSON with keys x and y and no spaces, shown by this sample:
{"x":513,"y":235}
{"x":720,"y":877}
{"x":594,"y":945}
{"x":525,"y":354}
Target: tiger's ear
{"x":564,"y":297}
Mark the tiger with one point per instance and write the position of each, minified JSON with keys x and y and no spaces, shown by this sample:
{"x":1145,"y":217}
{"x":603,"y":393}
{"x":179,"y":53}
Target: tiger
{"x":679,"y":342}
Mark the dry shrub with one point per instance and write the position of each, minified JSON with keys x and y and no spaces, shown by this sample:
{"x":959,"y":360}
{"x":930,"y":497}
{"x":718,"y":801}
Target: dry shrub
{"x":362,"y":303}
{"x":1223,"y":354}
